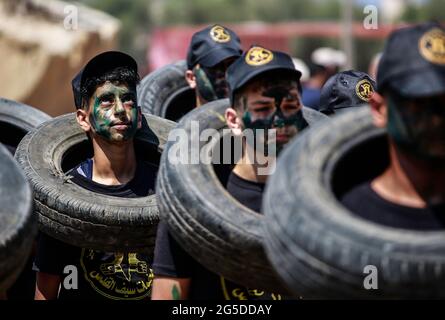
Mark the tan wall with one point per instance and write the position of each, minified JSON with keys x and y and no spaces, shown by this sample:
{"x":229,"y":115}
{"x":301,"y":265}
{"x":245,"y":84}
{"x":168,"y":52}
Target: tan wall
{"x":39,"y":56}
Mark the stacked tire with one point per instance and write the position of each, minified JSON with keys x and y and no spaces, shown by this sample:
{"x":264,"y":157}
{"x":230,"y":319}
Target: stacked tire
{"x":223,"y":235}
{"x":322,"y":250}
{"x":75,"y":215}
{"x":17,"y":222}
{"x":17,"y":119}
{"x":166,"y":93}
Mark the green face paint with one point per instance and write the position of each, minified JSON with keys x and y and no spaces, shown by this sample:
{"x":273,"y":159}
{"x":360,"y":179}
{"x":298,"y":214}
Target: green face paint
{"x":277,"y":119}
{"x":114,"y":114}
{"x":211,"y":82}
{"x":418,"y":127}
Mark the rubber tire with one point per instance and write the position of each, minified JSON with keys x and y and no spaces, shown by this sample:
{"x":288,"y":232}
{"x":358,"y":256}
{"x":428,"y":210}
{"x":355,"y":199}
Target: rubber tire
{"x":219,"y":232}
{"x":77,"y":216}
{"x":166,"y":93}
{"x":18,"y":224}
{"x":318,"y":247}
{"x":17,"y":119}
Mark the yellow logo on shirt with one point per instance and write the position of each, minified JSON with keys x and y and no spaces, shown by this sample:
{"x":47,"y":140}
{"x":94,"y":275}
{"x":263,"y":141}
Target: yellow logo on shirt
{"x":118,"y":276}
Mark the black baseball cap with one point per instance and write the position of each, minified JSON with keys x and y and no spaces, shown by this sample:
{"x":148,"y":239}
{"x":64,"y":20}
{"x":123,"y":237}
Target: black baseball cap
{"x":346,"y":89}
{"x":102,"y":63}
{"x":212,"y":45}
{"x":413,"y":62}
{"x":255,"y":61}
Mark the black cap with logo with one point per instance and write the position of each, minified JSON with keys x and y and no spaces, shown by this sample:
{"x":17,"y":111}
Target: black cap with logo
{"x":97,"y":66}
{"x":255,"y":61}
{"x":413,"y":62}
{"x":345,"y":90}
{"x":212,"y":45}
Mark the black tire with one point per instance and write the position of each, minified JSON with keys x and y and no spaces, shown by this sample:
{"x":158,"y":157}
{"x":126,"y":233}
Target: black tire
{"x":18,"y":224}
{"x":74,"y":215}
{"x":212,"y":226}
{"x":17,"y":119}
{"x":317,"y":246}
{"x":166,"y":93}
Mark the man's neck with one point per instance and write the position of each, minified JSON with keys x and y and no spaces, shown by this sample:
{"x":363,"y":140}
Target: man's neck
{"x":113,"y":164}
{"x":255,"y":172}
{"x":410,"y":181}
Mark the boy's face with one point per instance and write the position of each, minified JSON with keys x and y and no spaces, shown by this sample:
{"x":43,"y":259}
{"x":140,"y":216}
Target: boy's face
{"x":113,"y":113}
{"x":273,"y":106}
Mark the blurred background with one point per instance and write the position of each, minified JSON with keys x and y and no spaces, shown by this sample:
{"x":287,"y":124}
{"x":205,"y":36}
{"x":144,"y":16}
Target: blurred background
{"x":44,"y":43}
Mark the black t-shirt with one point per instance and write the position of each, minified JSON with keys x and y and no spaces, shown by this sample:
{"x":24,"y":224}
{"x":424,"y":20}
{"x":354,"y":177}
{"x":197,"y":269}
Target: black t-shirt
{"x":366,"y":203}
{"x":172,"y":261}
{"x":101,"y":275}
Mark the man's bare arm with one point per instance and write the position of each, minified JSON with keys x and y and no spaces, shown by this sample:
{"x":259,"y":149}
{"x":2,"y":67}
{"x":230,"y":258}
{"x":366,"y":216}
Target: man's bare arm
{"x":166,"y":288}
{"x":47,"y":286}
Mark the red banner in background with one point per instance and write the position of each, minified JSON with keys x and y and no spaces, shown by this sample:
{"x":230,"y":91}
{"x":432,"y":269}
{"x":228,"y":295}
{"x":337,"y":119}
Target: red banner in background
{"x":170,"y":44}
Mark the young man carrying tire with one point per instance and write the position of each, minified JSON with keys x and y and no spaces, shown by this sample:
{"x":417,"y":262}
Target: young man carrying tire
{"x":212,"y":50}
{"x":105,"y":98}
{"x":410,"y":104}
{"x":265,"y":93}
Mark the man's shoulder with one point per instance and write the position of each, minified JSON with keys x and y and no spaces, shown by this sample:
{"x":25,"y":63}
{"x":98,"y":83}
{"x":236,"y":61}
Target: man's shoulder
{"x":365,"y":202}
{"x":147,"y":167}
{"x":358,"y":194}
{"x":84,"y":169}
{"x":248,"y":193}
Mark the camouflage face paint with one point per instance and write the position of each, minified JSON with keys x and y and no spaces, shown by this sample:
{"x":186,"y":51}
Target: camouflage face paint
{"x":277,"y":119}
{"x":204,"y":86}
{"x":114,"y":114}
{"x":211,"y":83}
{"x":279,"y":94}
{"x":418,"y":127}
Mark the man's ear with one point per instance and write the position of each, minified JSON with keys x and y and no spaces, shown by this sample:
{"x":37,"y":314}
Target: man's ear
{"x":191,"y":79}
{"x":233,"y":121}
{"x":83,"y":119}
{"x":379,"y":110}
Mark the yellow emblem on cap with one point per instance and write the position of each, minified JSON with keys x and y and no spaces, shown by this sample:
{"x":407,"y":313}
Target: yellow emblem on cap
{"x":257,"y":56}
{"x":432,"y":46}
{"x":364,"y":89}
{"x":219,"y":34}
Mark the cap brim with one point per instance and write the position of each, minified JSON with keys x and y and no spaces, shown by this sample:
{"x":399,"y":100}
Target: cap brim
{"x":218,"y":55}
{"x":349,"y":108}
{"x":266,"y":69}
{"x":263,"y":70}
{"x":420,"y":84}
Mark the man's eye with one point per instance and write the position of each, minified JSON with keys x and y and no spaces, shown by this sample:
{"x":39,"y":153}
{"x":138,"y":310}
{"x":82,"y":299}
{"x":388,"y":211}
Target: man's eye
{"x":106,"y":102}
{"x":290,"y":106}
{"x":128,"y":99}
{"x":263,"y":109}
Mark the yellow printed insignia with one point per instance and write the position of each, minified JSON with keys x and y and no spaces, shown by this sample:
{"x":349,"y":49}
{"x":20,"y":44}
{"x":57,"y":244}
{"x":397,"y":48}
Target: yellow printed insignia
{"x":232,"y":291}
{"x":118,"y":276}
{"x":257,"y":56}
{"x":432,"y":46}
{"x":219,"y":34}
{"x":364,"y":89}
